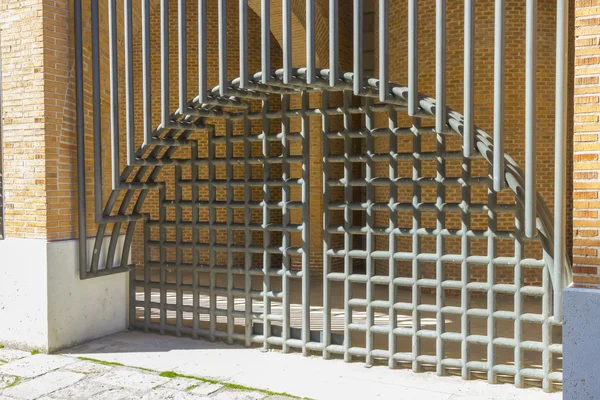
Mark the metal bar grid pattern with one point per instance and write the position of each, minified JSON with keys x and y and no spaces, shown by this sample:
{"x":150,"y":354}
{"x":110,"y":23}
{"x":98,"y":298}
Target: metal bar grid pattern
{"x":227,"y":247}
{"x":217,"y":306}
{"x":372,"y":254}
{"x":241,"y":283}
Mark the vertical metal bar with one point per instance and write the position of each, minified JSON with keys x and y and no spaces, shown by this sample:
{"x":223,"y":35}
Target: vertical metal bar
{"x":333,"y":42}
{"x":247,"y":232}
{"x":164,"y":63}
{"x":178,"y":253}
{"x":560,"y":153}
{"x":440,"y":297}
{"x":518,"y":298}
{"x":162,"y":259}
{"x":195,"y":241}
{"x":357,"y":47}
{"x":440,"y":67}
{"x":416,"y":245}
{"x":465,"y":269}
{"x":147,"y":278}
{"x":128,"y":41}
{"x":469,"y":83}
{"x":347,"y":224}
{"x":498,"y":162}
{"x":310,"y":41}
{"x":530,"y":117}
{"x":266,"y":151}
{"x":325,"y":128}
{"x":370,"y":225}
{"x":202,"y":54}
{"x":146,"y":72}
{"x":243,"y":14}
{"x":222,"y":47}
{"x":305,"y":197}
{"x":114,"y":93}
{"x":546,"y":329}
{"x":79,"y":113}
{"x":285,"y":219}
{"x":182,"y":47}
{"x":413,"y":57}
{"x":492,"y":251}
{"x":383,"y":50}
{"x":228,"y":224}
{"x":265,"y":37}
{"x":287,"y":40}
{"x":97,"y":114}
{"x":393,"y":240}
{"x":212,"y":235}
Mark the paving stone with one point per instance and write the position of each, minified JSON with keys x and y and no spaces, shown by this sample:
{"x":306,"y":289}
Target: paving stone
{"x":6,"y":380}
{"x":171,"y":394}
{"x":239,"y":395}
{"x":116,"y":394}
{"x":88,"y":367}
{"x":181,"y":383}
{"x":205,"y":388}
{"x":33,"y":366}
{"x":43,"y":385}
{"x":83,"y":389}
{"x":278,"y":397}
{"x":9,"y":355}
{"x":131,"y":379}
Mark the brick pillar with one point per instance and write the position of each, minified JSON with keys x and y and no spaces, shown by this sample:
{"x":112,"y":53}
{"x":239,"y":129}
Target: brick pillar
{"x":586,"y":147}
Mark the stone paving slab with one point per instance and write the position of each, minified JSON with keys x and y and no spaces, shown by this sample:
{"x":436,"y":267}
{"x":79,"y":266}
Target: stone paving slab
{"x":205,"y":389}
{"x":43,"y":385}
{"x":82,"y":390}
{"x":128,"y":378}
{"x":8,"y":355}
{"x":164,"y":393}
{"x":88,"y":367}
{"x":48,"y":377}
{"x":32,"y":366}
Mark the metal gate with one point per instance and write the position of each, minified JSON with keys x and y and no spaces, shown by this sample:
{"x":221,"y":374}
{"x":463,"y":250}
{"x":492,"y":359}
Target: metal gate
{"x":226,"y":251}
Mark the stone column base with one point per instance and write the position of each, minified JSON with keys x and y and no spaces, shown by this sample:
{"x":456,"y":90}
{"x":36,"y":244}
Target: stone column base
{"x":44,"y":305}
{"x":581,"y":342}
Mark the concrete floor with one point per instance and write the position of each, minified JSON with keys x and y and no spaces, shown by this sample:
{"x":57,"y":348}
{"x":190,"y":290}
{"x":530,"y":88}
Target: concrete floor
{"x":504,"y":328}
{"x":310,"y":377}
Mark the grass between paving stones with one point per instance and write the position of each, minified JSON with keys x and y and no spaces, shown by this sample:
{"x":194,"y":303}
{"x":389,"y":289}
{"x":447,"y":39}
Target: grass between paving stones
{"x":34,"y":352}
{"x":171,"y":374}
{"x":15,"y":382}
{"x":1,"y":346}
{"x":113,"y":364}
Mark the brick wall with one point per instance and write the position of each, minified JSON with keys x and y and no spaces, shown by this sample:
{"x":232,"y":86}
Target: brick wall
{"x":586,"y":147}
{"x":24,"y":169}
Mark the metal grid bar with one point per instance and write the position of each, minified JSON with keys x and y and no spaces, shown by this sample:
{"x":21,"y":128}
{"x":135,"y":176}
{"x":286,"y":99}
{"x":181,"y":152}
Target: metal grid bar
{"x":266,"y":152}
{"x":530,"y":117}
{"x":469,"y":82}
{"x":326,"y":127}
{"x":440,"y":298}
{"x":416,"y":246}
{"x":498,"y":164}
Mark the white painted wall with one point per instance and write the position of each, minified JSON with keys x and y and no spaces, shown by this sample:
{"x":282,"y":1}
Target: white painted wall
{"x":44,"y":304}
{"x":78,"y":310}
{"x":23,"y":293}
